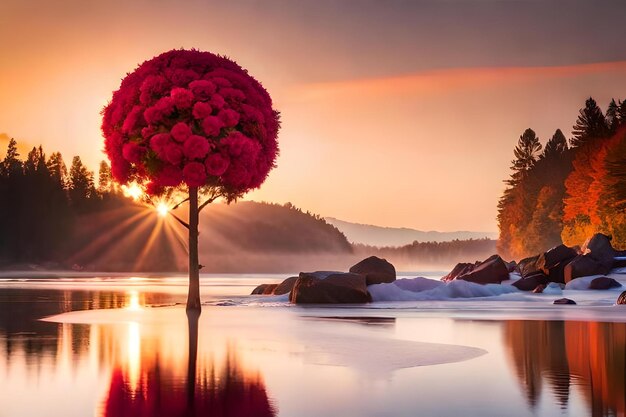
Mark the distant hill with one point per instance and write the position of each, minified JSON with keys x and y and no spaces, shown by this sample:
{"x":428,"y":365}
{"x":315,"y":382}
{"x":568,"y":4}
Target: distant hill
{"x":242,"y":237}
{"x":399,"y":236}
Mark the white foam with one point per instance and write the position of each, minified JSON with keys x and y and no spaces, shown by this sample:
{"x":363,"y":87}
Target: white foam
{"x":451,"y":290}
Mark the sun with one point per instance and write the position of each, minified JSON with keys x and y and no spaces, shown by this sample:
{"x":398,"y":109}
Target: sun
{"x":162,"y":209}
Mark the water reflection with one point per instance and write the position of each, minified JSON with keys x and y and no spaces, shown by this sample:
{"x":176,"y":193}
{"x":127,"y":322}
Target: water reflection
{"x":588,"y":357}
{"x":151,"y":389}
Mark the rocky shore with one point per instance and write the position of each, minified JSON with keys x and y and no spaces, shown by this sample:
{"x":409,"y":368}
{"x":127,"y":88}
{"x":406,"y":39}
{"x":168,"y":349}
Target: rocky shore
{"x":546,"y":272}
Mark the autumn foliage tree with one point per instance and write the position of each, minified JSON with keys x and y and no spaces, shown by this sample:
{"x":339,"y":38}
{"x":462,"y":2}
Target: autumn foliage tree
{"x":195,"y":122}
{"x":568,"y":193}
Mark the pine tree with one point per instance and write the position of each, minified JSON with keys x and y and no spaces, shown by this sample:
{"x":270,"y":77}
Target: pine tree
{"x":613,"y":119}
{"x":526,"y":153}
{"x":104,"y":179}
{"x":81,"y":185}
{"x":11,"y":165}
{"x":591,"y":124}
{"x":57,"y":168}
{"x":555,"y":147}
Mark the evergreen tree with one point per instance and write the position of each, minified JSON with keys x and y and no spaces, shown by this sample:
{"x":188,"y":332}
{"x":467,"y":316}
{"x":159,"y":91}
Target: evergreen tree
{"x":613,"y":118}
{"x":11,"y":165}
{"x":591,"y":124}
{"x":105,"y":184}
{"x":555,"y":147}
{"x":526,"y":153}
{"x":81,"y":186}
{"x":57,"y":168}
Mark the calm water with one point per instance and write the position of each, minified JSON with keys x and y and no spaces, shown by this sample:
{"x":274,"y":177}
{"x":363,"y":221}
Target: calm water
{"x":253,"y":360}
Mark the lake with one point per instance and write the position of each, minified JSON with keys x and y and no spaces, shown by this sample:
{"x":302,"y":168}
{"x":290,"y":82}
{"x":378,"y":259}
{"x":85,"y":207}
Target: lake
{"x":123,"y":346}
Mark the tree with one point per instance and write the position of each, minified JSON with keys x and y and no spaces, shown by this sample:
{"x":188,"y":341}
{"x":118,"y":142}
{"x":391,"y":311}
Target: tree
{"x":526,"y":153}
{"x":104,"y":178}
{"x":613,"y":117}
{"x":11,"y":165}
{"x":81,"y":187}
{"x":555,"y":147}
{"x":193,"y":123}
{"x":57,"y":168}
{"x":591,"y":124}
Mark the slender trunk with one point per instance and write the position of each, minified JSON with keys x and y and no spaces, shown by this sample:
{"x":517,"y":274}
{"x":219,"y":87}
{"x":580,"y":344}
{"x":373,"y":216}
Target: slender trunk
{"x":193,"y":298}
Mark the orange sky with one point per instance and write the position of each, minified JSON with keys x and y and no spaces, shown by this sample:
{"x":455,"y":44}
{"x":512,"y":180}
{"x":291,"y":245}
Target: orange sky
{"x":391,"y":117}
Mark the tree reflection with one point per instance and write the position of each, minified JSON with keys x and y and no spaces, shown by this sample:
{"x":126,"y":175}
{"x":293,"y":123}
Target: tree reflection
{"x":589,"y":356}
{"x":217,"y":391}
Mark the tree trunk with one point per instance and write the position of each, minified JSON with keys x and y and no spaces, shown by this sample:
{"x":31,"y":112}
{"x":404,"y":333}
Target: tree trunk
{"x":193,"y":298}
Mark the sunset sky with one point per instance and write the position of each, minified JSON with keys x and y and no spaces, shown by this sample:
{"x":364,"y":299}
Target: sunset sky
{"x":395,"y":113}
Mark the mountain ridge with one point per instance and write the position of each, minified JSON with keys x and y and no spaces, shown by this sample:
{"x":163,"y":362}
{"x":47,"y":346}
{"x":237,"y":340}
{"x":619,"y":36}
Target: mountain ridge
{"x":374,"y":235}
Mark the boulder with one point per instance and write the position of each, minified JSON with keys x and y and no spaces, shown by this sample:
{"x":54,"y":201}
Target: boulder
{"x":491,"y":271}
{"x":264,"y":289}
{"x":375,"y":270}
{"x":286,"y":286}
{"x":531,"y":282}
{"x":539,"y":289}
{"x":512,"y":266}
{"x":599,"y":248}
{"x":336,"y":288}
{"x":564,"y":301}
{"x":621,"y":299}
{"x":604,"y":283}
{"x":554,"y":257}
{"x":460,"y":269}
{"x":557,"y":272}
{"x":528,"y":266}
{"x":583,"y":266}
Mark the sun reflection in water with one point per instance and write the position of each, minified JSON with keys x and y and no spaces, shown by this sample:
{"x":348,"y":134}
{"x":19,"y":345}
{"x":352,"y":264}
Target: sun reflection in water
{"x":133,"y":301}
{"x":134,"y":356}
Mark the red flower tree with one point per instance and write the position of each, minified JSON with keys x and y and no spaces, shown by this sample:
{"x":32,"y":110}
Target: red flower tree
{"x":195,"y":122}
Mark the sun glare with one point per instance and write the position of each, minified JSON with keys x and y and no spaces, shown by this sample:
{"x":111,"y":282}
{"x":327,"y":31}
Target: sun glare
{"x":162,"y":209}
{"x":133,"y":191}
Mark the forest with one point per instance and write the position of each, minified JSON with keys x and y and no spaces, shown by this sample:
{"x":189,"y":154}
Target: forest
{"x":567,"y":190}
{"x":52,"y":217}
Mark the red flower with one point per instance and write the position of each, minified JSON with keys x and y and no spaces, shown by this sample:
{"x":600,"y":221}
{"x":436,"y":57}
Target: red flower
{"x":170,"y":176}
{"x":212,"y":125}
{"x":181,"y":132}
{"x":232,"y":94}
{"x":194,"y":174}
{"x":196,"y":147}
{"x":217,"y":101}
{"x":182,"y":98}
{"x":216,"y":164}
{"x":173,"y":153}
{"x":229,"y":117}
{"x":159,"y":142}
{"x":202,"y":89}
{"x":132,"y":119}
{"x":132,"y":152}
{"x":201,"y":110}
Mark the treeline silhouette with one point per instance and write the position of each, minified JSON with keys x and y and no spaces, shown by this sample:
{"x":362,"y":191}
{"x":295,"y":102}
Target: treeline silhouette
{"x":563,"y":193}
{"x":40,"y":201}
{"x":418,"y":255}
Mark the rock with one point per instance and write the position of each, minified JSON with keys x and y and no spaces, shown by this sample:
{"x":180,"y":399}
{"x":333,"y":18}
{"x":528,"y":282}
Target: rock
{"x":264,"y":289}
{"x":375,"y":270}
{"x":511,"y":266}
{"x":528,"y":266}
{"x":286,"y":286}
{"x":554,"y":256}
{"x":599,"y":248}
{"x":531,"y":282}
{"x":621,"y":299}
{"x":491,"y":271}
{"x":460,"y":269}
{"x":583,"y":266}
{"x":539,"y":289}
{"x":564,"y":301}
{"x":335,"y":289}
{"x":604,"y":283}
